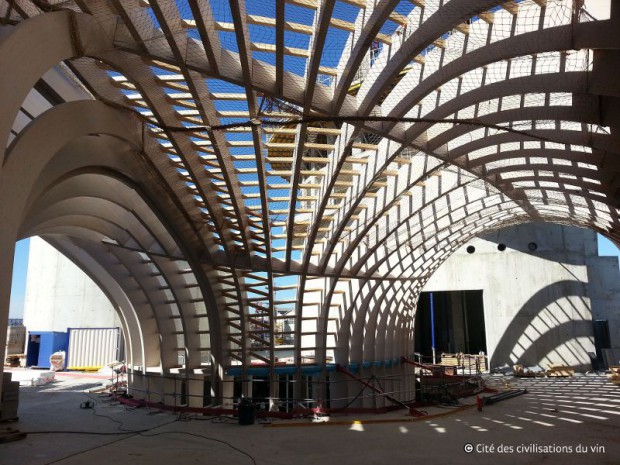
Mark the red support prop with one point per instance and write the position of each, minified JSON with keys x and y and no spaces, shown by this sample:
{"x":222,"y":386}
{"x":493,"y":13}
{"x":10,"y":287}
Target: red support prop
{"x":343,"y":370}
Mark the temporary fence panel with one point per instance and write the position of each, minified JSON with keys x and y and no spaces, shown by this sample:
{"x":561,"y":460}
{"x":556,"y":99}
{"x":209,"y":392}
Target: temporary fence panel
{"x":93,"y":348}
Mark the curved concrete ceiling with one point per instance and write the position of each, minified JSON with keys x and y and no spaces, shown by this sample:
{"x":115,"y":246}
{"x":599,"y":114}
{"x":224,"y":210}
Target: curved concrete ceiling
{"x":249,"y":162}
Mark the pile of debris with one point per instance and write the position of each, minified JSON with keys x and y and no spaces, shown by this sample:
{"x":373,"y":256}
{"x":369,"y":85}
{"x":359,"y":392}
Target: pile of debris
{"x":521,"y":372}
{"x":560,"y":371}
{"x":467,"y":362}
{"x":554,"y":371}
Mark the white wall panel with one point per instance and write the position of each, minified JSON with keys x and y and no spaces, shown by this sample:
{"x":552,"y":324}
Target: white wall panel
{"x":92,"y":347}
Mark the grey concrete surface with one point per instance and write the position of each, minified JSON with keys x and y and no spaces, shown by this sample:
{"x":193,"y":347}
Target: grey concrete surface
{"x":580,"y":412}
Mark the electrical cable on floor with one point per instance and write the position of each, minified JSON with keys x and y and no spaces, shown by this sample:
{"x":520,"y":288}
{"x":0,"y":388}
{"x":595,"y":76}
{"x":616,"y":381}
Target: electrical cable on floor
{"x":90,"y":433}
{"x":203,"y":437}
{"x":120,"y":431}
{"x":120,"y":423}
{"x":88,"y":450}
{"x":129,"y":434}
{"x":137,"y":433}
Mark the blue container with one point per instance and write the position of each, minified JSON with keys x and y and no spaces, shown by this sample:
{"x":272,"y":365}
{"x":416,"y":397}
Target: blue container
{"x":42,"y":344}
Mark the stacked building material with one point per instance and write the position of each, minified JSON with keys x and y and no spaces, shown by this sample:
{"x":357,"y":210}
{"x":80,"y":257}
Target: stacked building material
{"x":468,"y":362}
{"x":559,"y":371}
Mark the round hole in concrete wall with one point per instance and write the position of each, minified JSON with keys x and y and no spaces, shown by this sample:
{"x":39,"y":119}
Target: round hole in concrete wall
{"x":501,"y":247}
{"x":471,"y":249}
{"x":532,"y":246}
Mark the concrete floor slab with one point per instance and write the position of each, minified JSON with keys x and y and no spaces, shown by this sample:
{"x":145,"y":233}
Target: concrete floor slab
{"x":559,"y":421}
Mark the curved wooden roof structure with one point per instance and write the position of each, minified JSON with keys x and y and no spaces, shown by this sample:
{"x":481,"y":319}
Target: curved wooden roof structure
{"x":232,"y":166}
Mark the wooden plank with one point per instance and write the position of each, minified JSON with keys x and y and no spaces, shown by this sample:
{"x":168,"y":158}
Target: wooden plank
{"x":357,"y":3}
{"x":342,"y":25}
{"x":511,"y":7}
{"x":328,"y":71}
{"x":398,"y":18}
{"x":311,"y":4}
{"x":488,"y":17}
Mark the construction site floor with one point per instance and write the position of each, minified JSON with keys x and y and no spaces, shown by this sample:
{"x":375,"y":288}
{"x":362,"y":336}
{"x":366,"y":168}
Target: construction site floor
{"x":559,"y":421}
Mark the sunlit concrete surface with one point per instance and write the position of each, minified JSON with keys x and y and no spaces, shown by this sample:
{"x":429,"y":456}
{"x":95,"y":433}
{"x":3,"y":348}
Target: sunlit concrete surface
{"x":582,"y":412}
{"x":28,"y":377}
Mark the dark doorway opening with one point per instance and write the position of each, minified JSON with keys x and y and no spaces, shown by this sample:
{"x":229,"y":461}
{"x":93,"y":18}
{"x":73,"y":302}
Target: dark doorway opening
{"x":601,"y":341}
{"x":260,"y":389}
{"x":453,"y":320}
{"x":34,"y":347}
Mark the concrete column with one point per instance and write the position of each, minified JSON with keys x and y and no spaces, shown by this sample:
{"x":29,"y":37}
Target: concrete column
{"x":246,"y":386}
{"x":227,"y":390}
{"x":274,"y":393}
{"x":408,"y":381}
{"x":7,"y":252}
{"x":339,"y":389}
{"x":297,"y":388}
{"x":216,"y":382}
{"x":321,"y":386}
{"x":408,"y":372}
{"x":370,"y":398}
{"x":136,"y":384}
{"x":195,"y":391}
{"x":154,"y":387}
{"x":171,"y":392}
{"x":400,"y":384}
{"x":403,"y":382}
{"x":385,"y":377}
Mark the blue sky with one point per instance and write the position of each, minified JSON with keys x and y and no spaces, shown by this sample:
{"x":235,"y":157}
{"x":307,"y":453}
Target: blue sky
{"x":606,"y":247}
{"x":18,"y":288}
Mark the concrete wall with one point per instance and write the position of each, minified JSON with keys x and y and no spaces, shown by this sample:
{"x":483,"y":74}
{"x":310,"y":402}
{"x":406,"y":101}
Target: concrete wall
{"x":538,"y":305}
{"x":605,"y":295}
{"x":59,"y":295}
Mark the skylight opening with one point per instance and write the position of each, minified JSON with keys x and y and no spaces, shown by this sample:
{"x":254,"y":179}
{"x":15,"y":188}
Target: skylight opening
{"x":295,"y":65}
{"x":299,"y":14}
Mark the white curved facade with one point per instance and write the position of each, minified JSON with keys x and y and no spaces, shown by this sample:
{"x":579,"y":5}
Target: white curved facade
{"x":231,"y":165}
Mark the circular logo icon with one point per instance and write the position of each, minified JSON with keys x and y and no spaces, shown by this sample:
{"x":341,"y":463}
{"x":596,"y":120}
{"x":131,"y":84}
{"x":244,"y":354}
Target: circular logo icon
{"x":469,"y":448}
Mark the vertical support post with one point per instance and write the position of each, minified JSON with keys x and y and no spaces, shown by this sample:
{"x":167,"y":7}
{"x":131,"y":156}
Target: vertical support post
{"x":7,"y":255}
{"x":170,"y":389}
{"x":297,"y":388}
{"x":465,"y":326}
{"x":274,"y":392}
{"x":195,"y":389}
{"x":246,"y":384}
{"x":433,"y":328}
{"x":227,"y":390}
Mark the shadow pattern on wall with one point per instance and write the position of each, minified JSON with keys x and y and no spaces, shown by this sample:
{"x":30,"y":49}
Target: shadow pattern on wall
{"x":561,"y":337}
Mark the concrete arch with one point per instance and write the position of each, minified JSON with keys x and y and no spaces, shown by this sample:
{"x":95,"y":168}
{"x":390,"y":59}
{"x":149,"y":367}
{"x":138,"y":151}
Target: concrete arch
{"x":104,"y":121}
{"x":445,"y":19}
{"x":108,"y":283}
{"x":26,"y":63}
{"x":81,"y":227}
